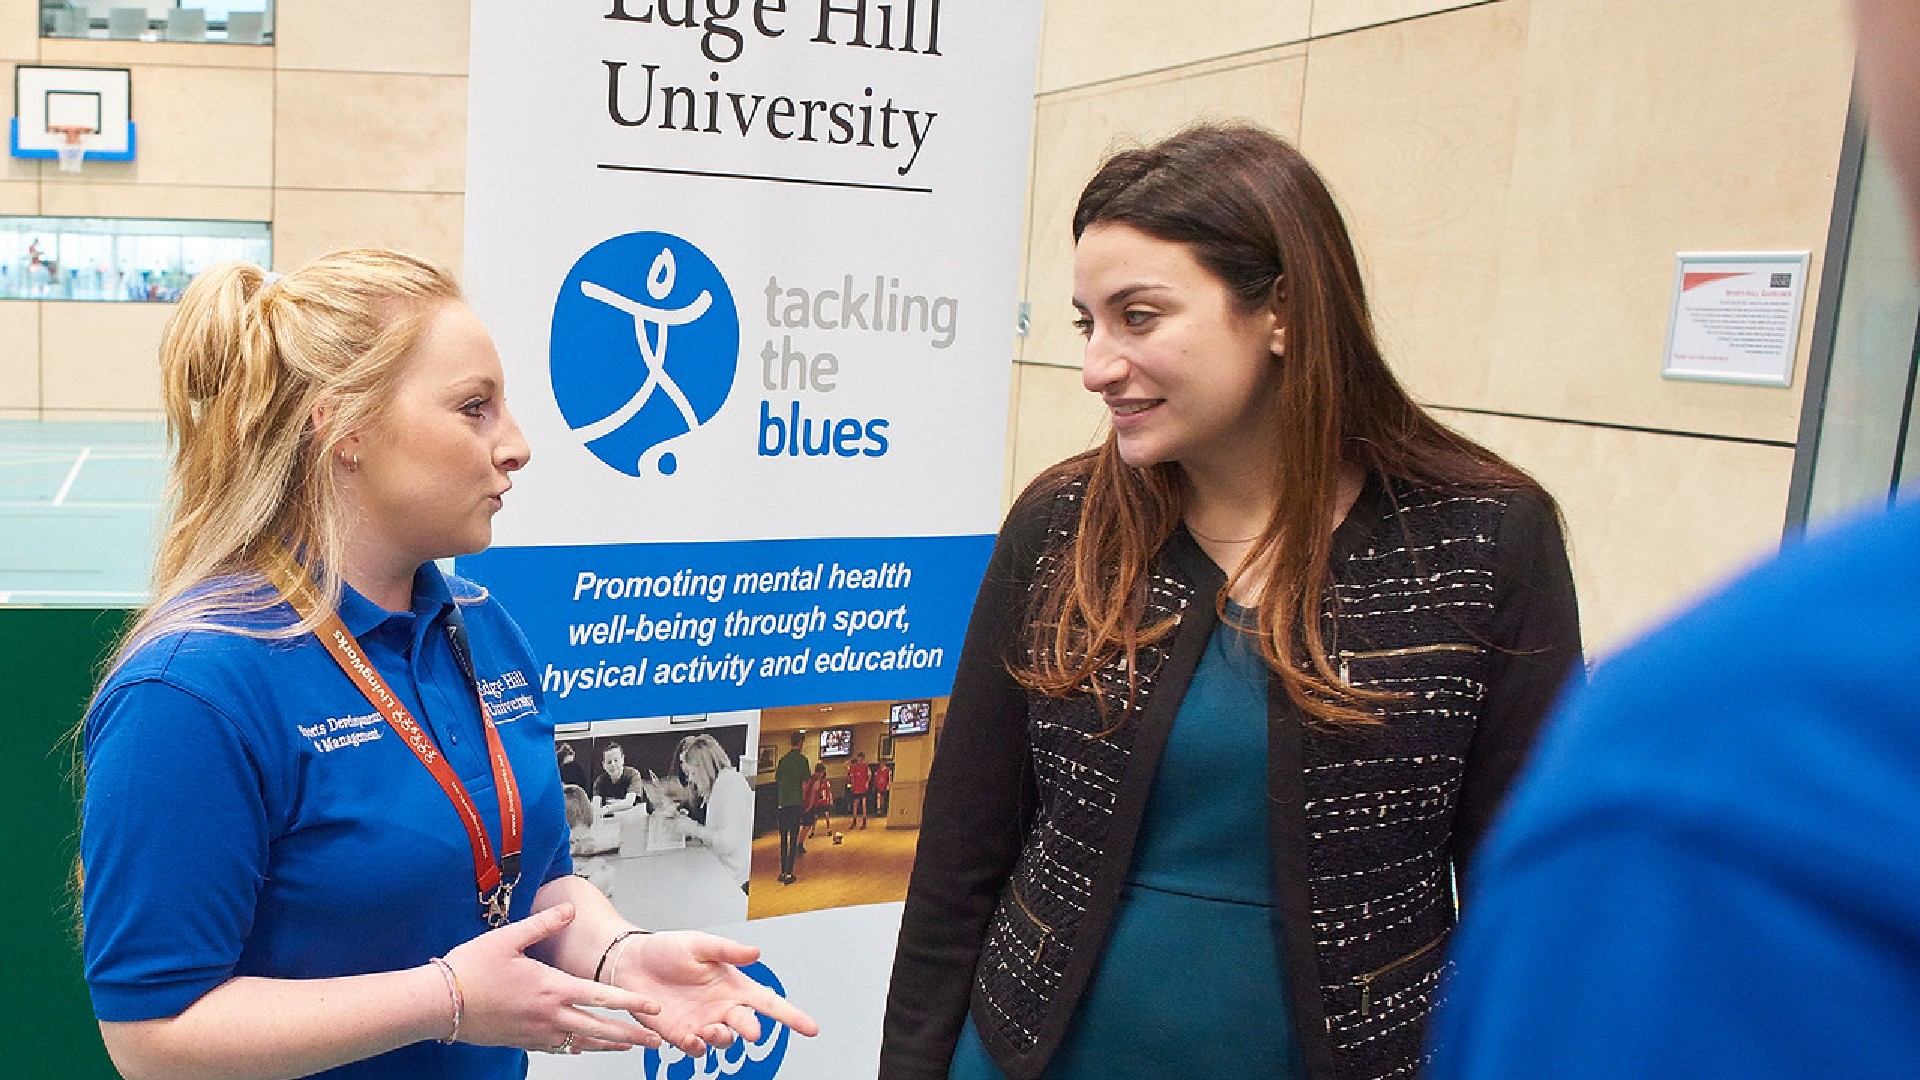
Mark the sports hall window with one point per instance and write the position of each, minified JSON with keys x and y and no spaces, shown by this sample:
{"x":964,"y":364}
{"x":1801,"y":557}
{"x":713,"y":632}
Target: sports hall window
{"x":245,"y":22}
{"x":133,"y":260}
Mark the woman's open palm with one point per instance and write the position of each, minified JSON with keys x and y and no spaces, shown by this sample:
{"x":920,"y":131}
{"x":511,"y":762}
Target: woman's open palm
{"x":704,"y":997}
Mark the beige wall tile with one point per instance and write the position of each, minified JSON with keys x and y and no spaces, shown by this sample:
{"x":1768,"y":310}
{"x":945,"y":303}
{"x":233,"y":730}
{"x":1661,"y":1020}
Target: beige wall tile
{"x":19,"y":354}
{"x":1085,"y":41}
{"x":64,"y":196}
{"x":19,"y":197}
{"x":1339,"y":16}
{"x":203,"y":126}
{"x":371,"y":132}
{"x":19,"y":32}
{"x":1055,"y":418}
{"x":1652,"y":520}
{"x":1649,"y":127}
{"x":75,"y":52}
{"x":311,"y":223}
{"x":426,"y":37}
{"x":101,"y":356}
{"x":1073,"y":132}
{"x":1412,"y":126}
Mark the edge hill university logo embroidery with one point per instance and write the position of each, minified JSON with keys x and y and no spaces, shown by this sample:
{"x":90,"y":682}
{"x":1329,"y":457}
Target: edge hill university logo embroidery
{"x":645,"y":343}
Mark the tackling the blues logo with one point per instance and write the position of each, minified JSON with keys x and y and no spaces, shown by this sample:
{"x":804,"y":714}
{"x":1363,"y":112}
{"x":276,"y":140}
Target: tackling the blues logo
{"x":645,"y":343}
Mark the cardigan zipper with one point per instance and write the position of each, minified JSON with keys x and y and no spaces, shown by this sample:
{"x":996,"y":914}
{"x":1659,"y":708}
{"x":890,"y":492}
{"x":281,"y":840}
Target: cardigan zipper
{"x":1348,"y":656}
{"x":1046,"y":932}
{"x":1365,"y":982}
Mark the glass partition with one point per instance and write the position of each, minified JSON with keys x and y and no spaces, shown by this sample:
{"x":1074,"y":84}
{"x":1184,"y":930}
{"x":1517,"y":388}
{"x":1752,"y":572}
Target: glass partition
{"x":1860,"y":442}
{"x":119,"y":259}
{"x":241,"y":22}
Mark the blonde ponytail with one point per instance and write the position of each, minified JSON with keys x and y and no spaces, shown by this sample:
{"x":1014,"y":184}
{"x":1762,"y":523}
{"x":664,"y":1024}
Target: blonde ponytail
{"x":248,"y":362}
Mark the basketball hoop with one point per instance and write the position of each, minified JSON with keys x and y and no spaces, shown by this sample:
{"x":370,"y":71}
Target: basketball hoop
{"x":74,"y":147}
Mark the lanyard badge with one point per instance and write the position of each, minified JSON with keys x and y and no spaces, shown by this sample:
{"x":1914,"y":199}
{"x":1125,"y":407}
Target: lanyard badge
{"x":495,"y":905}
{"x":493,"y":880}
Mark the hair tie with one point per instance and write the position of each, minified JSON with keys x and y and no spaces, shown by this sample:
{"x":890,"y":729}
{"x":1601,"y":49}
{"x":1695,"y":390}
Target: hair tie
{"x":268,"y":279}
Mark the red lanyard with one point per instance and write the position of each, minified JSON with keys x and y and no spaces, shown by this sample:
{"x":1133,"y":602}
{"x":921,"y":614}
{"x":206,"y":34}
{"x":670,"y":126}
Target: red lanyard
{"x":495,"y":887}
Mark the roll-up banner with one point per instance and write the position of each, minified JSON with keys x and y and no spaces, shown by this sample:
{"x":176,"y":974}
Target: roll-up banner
{"x":751,"y":266}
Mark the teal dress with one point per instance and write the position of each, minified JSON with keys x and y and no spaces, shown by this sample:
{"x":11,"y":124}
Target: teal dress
{"x":1190,"y":982}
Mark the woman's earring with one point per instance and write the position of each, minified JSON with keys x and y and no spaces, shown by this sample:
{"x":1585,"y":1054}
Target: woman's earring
{"x":351,"y":460}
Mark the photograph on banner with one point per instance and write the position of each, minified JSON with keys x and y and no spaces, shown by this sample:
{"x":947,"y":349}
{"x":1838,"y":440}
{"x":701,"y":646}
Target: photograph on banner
{"x":661,"y":814}
{"x":858,"y":820}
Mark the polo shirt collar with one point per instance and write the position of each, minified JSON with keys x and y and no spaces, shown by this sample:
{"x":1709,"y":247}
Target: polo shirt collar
{"x":431,"y":598}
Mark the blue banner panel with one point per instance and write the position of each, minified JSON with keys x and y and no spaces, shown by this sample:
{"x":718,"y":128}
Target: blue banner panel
{"x":634,"y":630}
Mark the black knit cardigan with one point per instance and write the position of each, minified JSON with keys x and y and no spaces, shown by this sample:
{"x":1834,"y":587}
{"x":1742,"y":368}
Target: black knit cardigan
{"x":1461,"y":603}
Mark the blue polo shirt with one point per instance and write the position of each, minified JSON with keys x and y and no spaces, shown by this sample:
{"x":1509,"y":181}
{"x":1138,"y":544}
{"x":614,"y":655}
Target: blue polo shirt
{"x":1712,"y":866}
{"x":248,"y":812}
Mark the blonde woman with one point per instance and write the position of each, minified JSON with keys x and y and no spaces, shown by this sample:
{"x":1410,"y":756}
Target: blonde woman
{"x":722,"y":798}
{"x":323,"y":830}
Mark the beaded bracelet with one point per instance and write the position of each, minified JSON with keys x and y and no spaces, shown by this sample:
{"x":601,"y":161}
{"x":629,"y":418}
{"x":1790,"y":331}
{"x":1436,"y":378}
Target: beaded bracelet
{"x":614,"y":948}
{"x":453,"y":991}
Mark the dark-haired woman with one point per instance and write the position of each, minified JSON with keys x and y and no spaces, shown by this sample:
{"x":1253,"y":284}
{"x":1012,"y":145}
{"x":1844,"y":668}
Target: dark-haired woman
{"x":1278,"y":582}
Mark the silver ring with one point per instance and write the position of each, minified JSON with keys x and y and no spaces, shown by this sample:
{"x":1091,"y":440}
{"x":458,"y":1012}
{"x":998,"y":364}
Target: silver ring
{"x":566,"y":1045}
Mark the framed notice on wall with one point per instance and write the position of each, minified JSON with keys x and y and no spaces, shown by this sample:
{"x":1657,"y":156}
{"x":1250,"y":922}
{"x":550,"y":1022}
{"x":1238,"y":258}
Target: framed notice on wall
{"x":1735,"y":317}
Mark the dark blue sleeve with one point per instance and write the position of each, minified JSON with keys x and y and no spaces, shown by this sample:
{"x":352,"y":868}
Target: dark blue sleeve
{"x":174,"y":839}
{"x":1617,"y":952}
{"x":1712,"y":865}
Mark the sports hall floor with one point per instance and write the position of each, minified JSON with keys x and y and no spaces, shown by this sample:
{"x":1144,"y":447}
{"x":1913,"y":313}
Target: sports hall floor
{"x":78,"y":508}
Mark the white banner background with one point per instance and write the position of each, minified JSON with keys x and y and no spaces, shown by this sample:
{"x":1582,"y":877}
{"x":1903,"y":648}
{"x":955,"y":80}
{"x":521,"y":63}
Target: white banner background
{"x":539,"y":127}
{"x":750,"y":139}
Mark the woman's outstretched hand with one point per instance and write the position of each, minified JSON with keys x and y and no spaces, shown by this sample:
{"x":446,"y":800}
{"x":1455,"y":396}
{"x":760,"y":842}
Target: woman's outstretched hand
{"x":515,"y":1000}
{"x":704,"y":998}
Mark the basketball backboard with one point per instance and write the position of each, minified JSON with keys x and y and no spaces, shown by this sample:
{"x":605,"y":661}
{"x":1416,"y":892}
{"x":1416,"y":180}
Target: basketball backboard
{"x":48,"y":102}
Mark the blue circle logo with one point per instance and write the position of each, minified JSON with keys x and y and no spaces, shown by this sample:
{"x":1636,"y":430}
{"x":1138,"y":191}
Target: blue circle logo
{"x":758,"y":1060}
{"x":645,"y":343}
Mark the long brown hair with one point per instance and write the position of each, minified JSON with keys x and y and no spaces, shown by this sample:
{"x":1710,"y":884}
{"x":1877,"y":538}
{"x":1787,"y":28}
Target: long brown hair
{"x":1258,"y":217}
